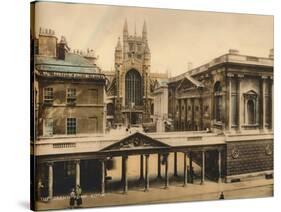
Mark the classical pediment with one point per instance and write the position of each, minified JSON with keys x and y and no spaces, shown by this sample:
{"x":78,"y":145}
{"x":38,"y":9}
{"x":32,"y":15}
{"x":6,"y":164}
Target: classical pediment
{"x":188,"y":82}
{"x":136,"y":141}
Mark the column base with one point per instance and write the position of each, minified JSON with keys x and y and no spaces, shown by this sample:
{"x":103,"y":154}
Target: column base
{"x":202,"y":183}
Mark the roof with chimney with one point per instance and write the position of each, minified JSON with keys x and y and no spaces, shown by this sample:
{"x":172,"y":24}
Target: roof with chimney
{"x":72,"y":63}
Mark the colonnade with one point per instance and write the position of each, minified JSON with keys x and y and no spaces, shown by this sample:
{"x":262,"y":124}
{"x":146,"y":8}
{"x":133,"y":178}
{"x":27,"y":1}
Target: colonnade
{"x":144,"y":170}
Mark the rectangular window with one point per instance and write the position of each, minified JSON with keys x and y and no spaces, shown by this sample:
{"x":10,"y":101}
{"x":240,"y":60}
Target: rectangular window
{"x":71,"y":96}
{"x":218,"y":108}
{"x":71,"y":126}
{"x":48,"y":95}
{"x":48,"y":127}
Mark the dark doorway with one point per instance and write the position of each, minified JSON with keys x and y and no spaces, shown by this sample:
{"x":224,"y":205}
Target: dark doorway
{"x":90,"y":177}
{"x":64,"y":177}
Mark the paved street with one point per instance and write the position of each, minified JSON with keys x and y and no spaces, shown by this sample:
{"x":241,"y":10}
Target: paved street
{"x":175,"y":193}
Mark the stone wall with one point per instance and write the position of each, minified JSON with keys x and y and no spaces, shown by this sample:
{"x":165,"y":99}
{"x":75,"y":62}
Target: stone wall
{"x":88,"y":110}
{"x":249,"y":157}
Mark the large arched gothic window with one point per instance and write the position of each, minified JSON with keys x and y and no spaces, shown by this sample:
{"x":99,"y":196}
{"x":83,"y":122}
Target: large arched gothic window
{"x":217,"y":101}
{"x":133,"y":85}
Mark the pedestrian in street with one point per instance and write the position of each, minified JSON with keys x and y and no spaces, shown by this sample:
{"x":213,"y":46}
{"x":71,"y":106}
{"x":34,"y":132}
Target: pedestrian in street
{"x":221,"y":196}
{"x":78,"y":196}
{"x":72,"y":198}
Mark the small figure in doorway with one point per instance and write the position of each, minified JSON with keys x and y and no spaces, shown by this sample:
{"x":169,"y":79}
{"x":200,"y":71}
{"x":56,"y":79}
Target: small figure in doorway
{"x":72,"y":198}
{"x":78,"y":196}
{"x":221,"y":196}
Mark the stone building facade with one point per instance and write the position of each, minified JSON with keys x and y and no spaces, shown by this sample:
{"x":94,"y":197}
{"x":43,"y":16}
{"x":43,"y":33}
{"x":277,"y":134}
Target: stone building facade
{"x":227,"y":104}
{"x":232,"y":92}
{"x":69,"y":89}
{"x":232,"y":95}
{"x":129,"y":99}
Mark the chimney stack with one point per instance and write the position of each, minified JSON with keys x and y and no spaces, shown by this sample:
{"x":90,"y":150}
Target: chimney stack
{"x":62,"y":48}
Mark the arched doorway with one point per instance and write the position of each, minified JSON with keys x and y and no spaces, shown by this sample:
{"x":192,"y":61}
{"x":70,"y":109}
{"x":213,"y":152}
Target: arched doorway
{"x":133,"y":86}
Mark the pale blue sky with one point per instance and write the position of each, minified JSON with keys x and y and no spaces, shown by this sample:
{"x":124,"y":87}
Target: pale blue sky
{"x":175,"y":37}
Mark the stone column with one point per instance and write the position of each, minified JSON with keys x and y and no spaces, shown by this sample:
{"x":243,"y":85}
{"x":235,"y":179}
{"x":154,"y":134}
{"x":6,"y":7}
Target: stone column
{"x":125,"y":182}
{"x":180,"y":125}
{"x":201,"y":110}
{"x":184,"y":170}
{"x":262,"y":103}
{"x":146,"y":188}
{"x":219,"y":166}
{"x":239,"y":105}
{"x":166,"y":170}
{"x":190,"y":167}
{"x":77,"y":177}
{"x":141,"y":168}
{"x":102,"y":176}
{"x":50,"y":180}
{"x":159,"y":167}
{"x":185,"y":114}
{"x":175,"y":164}
{"x":272,"y":105}
{"x":203,"y":168}
{"x":229,"y":76}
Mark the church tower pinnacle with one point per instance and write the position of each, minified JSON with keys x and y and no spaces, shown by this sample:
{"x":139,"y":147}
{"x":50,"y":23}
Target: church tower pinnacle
{"x":144,"y":32}
{"x":125,"y":30}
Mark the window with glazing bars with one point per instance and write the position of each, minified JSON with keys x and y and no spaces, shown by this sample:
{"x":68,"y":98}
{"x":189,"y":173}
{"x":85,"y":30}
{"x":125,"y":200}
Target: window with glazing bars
{"x":71,"y":126}
{"x":48,"y":95}
{"x":71,"y":96}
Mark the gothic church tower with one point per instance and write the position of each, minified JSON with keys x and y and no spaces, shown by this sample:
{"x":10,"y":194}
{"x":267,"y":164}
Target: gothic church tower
{"x":132,"y":74}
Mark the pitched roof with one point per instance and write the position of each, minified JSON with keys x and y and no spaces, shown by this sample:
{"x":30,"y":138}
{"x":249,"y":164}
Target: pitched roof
{"x":71,"y":63}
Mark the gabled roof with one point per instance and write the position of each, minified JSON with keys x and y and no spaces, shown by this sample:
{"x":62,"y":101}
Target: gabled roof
{"x":190,"y":79}
{"x":136,"y":141}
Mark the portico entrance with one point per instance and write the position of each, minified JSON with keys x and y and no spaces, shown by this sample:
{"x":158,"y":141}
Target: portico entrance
{"x":137,"y":160}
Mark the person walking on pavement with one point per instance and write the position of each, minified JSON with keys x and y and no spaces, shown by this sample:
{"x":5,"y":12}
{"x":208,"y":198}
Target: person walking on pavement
{"x":221,"y":196}
{"x":78,"y":196}
{"x":72,"y":198}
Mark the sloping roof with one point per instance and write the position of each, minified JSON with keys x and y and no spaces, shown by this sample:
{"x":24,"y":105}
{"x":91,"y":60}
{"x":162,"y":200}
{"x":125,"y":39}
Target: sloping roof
{"x":193,"y":81}
{"x":135,"y":141}
{"x":71,"y":63}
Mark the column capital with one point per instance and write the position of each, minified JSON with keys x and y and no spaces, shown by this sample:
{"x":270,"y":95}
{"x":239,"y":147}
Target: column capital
{"x":77,"y":161}
{"x":125,"y":156}
{"x":240,"y":75}
{"x":265,"y":77}
{"x":230,"y":75}
{"x":102,"y":159}
{"x":50,"y":163}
